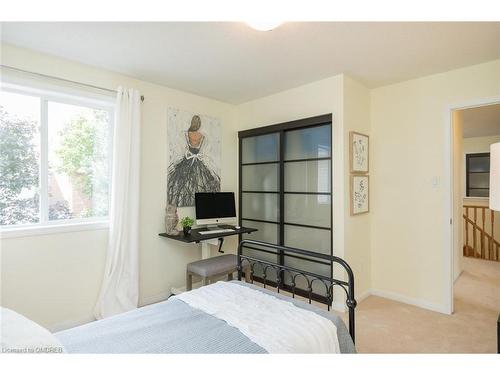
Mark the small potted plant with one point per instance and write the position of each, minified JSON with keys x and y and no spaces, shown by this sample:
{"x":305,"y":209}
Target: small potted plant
{"x":187,"y":223}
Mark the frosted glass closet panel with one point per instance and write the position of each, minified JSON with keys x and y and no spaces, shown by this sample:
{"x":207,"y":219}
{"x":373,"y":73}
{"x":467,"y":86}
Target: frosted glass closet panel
{"x":312,"y":239}
{"x":308,"y":143}
{"x":308,"y":176}
{"x":267,"y":232}
{"x":307,"y":209}
{"x":260,"y":177}
{"x":261,"y":148}
{"x":317,"y":240}
{"x":260,"y":206}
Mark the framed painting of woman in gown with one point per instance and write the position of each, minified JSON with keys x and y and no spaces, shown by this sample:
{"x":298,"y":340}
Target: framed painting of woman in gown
{"x":194,"y":156}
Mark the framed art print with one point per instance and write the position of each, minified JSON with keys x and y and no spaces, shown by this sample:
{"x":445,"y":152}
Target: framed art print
{"x":194,"y":142}
{"x":360,"y":194}
{"x":359,"y":152}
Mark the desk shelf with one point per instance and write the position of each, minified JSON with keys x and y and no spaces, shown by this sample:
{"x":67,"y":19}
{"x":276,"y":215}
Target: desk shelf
{"x":196,"y":237}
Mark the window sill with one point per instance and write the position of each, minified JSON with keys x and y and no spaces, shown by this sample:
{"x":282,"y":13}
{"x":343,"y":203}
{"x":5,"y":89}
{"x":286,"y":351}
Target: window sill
{"x":484,"y":199}
{"x":41,"y":230}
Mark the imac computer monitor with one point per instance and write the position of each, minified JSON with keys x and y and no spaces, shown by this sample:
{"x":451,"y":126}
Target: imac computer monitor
{"x":215,"y":208}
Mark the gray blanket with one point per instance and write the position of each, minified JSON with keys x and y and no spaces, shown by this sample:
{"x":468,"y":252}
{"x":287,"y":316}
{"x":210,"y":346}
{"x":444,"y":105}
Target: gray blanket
{"x":173,"y":326}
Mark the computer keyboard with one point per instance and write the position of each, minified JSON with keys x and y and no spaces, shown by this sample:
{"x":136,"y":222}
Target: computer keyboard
{"x":216,"y":231}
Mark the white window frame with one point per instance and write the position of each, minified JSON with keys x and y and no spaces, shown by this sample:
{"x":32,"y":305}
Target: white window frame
{"x":46,"y":226}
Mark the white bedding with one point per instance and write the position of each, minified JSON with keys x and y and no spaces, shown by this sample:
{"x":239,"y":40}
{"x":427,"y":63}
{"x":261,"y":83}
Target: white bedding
{"x":277,"y":326}
{"x":19,"y":334}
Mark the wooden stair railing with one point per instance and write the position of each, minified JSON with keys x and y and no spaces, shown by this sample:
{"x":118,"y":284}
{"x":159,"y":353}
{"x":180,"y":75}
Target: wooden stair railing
{"x":484,"y":245}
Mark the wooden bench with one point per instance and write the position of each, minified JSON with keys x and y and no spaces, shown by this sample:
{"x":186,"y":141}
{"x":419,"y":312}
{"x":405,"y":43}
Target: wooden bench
{"x":211,"y":268}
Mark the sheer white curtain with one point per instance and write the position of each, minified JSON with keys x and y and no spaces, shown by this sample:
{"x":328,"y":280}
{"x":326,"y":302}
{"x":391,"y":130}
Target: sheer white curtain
{"x":120,"y":287}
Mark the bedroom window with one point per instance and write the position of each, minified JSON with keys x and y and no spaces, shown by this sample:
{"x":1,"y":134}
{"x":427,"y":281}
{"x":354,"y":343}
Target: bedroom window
{"x":55,"y":158}
{"x":285,"y":192}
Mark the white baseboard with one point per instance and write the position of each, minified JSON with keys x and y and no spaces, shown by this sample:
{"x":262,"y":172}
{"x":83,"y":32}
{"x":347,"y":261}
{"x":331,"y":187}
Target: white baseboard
{"x":364,"y":295}
{"x":409,"y":300}
{"x":457,"y":276}
{"x":341,"y":306}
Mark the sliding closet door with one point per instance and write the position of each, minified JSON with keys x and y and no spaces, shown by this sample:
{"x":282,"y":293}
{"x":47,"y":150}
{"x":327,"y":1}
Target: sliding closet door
{"x":259,"y":192}
{"x":286,"y":192}
{"x":307,"y":198}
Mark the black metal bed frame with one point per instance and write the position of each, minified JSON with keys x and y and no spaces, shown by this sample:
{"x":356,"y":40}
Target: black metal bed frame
{"x":309,"y":277}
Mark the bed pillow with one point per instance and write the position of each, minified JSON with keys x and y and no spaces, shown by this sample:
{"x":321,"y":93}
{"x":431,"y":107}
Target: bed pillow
{"x":19,"y":334}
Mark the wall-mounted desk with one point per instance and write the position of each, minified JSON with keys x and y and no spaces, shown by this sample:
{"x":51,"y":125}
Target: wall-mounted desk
{"x":196,"y":237}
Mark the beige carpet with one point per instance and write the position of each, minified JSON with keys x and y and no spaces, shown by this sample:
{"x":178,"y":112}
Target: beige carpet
{"x":385,"y":326}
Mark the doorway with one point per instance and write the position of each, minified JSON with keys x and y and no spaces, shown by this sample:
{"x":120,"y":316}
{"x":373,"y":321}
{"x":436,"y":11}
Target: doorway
{"x":475,"y":229}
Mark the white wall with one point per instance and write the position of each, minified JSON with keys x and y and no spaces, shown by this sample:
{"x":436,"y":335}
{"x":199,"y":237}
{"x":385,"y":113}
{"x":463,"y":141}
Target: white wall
{"x":357,"y":228}
{"x":55,"y":279}
{"x":480,"y":144}
{"x":410,"y":217}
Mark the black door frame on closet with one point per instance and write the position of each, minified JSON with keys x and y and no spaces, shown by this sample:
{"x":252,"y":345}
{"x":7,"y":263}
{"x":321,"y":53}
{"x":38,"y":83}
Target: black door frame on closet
{"x":281,"y":129}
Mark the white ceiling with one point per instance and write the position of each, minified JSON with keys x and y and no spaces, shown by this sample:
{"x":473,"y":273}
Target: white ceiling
{"x":481,"y":121}
{"x":233,"y":63}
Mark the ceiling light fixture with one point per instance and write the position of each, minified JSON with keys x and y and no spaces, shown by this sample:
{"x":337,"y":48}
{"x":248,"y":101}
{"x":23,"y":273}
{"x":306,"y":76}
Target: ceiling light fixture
{"x":264,"y":25}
